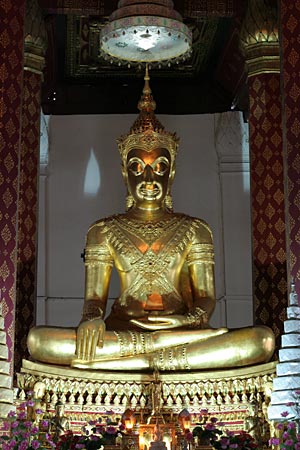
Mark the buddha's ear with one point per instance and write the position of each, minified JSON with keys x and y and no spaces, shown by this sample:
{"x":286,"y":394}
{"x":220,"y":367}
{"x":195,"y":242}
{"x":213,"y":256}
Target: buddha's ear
{"x":124,"y":173}
{"x":172,"y":174}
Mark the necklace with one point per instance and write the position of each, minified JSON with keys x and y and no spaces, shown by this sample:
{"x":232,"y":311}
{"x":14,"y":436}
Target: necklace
{"x":149,"y":231}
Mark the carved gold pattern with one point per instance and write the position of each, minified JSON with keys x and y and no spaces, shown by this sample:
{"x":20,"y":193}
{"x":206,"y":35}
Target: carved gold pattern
{"x":149,"y":231}
{"x":226,"y":394}
{"x":259,"y":38}
{"x":172,"y":359}
{"x":133,"y":343}
{"x":151,"y":268}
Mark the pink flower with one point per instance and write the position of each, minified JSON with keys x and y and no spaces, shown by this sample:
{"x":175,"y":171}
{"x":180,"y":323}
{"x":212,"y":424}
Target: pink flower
{"x":15,"y":432}
{"x":30,"y":403}
{"x":279,"y":426}
{"x":291,"y":425}
{"x":26,"y":435}
{"x":111,"y":430}
{"x":23,"y":445}
{"x":285,"y":435}
{"x":28,"y":424}
{"x":35,"y":444}
{"x":14,"y":424}
{"x":274,"y":441}
{"x":233,"y":446}
{"x":6,"y":426}
{"x":11,"y":414}
{"x":210,"y":427}
{"x":224,"y":441}
{"x":39,"y":411}
{"x":213,"y":419}
{"x":289,"y":442}
{"x":22,"y":415}
{"x":285,"y":413}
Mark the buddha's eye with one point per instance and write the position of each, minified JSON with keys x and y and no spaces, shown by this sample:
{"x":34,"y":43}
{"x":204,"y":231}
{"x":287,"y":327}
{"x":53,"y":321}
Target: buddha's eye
{"x":161,"y":167}
{"x":135,"y":167}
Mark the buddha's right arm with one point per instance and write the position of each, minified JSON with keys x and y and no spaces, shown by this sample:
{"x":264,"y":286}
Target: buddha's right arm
{"x":96,"y":292}
{"x":98,"y":267}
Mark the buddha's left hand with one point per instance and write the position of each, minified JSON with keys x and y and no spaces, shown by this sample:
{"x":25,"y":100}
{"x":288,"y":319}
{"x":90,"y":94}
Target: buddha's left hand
{"x":161,"y":322}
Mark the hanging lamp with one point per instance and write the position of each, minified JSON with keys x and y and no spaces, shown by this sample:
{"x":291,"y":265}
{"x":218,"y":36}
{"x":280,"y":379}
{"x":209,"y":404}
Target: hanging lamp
{"x":147,"y":31}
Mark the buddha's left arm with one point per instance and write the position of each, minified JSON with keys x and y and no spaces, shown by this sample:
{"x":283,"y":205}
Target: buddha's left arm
{"x":200,"y":261}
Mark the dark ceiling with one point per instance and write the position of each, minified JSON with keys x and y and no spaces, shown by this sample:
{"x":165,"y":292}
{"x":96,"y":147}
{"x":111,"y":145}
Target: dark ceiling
{"x":78,"y":81}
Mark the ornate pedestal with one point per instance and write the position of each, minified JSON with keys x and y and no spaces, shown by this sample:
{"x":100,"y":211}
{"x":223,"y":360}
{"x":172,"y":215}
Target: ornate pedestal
{"x":88,"y":395}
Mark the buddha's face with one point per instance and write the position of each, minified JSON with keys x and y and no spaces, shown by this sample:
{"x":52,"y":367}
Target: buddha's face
{"x":148,"y":176}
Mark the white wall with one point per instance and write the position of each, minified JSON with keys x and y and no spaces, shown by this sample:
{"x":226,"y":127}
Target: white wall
{"x":83,"y":183}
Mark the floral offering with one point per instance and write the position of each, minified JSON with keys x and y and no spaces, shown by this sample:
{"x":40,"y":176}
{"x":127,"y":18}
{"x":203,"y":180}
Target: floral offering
{"x":22,"y":433}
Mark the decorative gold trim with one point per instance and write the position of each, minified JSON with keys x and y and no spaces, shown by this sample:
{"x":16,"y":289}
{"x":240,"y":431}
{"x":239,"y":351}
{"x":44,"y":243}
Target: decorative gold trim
{"x":263,"y":57}
{"x":259,"y":38}
{"x":88,"y":395}
{"x":34,"y":63}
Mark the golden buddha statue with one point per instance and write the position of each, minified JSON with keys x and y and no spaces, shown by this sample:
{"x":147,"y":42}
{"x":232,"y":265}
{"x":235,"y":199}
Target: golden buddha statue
{"x":165,"y":262}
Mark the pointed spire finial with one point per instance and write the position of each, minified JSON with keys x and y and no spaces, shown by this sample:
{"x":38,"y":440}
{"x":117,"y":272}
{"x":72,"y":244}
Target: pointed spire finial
{"x":146,"y":103}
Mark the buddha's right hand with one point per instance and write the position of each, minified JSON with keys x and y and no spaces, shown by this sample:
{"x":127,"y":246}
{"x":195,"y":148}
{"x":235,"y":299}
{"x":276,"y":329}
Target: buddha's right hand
{"x":90,"y":335}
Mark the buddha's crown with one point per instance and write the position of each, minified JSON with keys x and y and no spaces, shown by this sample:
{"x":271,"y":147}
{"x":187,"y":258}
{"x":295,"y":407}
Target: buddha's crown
{"x":147,"y":133}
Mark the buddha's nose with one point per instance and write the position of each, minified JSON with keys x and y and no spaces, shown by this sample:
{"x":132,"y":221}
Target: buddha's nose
{"x":148,"y":174}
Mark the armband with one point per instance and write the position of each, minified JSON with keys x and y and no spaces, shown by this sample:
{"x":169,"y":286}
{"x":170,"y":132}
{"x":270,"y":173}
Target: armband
{"x":201,"y":253}
{"x":94,"y":255}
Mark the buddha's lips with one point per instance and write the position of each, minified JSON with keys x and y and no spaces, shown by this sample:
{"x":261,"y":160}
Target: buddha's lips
{"x":151,"y":191}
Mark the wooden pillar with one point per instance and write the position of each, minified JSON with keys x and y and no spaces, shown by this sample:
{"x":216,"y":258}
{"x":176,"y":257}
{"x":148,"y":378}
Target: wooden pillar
{"x":260,"y":40}
{"x":11,"y":79}
{"x":29,"y":171}
{"x":290,"y":65}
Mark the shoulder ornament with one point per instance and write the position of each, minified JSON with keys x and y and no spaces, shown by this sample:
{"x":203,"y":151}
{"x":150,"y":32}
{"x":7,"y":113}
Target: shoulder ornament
{"x":201,"y":252}
{"x":97,"y":250}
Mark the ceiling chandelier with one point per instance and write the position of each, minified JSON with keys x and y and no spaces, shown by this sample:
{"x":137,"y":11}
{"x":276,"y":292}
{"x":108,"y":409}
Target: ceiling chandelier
{"x":148,"y":31}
